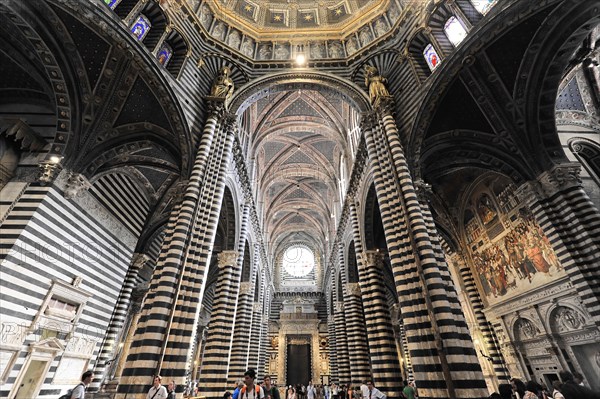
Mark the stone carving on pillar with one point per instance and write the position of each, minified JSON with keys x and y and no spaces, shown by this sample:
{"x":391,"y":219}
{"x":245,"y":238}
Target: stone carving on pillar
{"x":371,"y":258}
{"x":353,"y":289}
{"x":230,"y":121}
{"x":76,"y":185}
{"x":227,"y":258}
{"x":549,"y":183}
{"x":339,"y":307}
{"x":560,"y":177}
{"x":49,"y":170}
{"x":245,"y":287}
{"x":257,"y":307}
{"x":368,"y":120}
{"x":424,"y":191}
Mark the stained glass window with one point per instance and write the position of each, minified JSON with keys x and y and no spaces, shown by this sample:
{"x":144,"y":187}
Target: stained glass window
{"x":455,"y":31}
{"x":112,"y":3}
{"x":431,"y":57}
{"x":141,"y":27}
{"x":164,"y":54}
{"x":483,"y":6}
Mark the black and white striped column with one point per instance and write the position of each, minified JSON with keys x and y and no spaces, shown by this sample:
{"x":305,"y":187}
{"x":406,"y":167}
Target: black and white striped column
{"x":356,"y":325}
{"x":109,"y":347}
{"x":220,"y":327}
{"x":164,"y":338}
{"x":333,"y":366}
{"x":255,"y":335}
{"x":382,"y":344}
{"x":341,"y":342}
{"x":239,"y":346}
{"x":442,"y":354}
{"x":485,"y":327}
{"x":241,"y":334}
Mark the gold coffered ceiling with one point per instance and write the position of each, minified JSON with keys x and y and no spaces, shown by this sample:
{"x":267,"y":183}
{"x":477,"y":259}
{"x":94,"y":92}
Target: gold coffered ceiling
{"x":296,"y":20}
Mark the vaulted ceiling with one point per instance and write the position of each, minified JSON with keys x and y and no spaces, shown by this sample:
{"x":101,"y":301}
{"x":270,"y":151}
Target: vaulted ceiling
{"x":299,"y":139}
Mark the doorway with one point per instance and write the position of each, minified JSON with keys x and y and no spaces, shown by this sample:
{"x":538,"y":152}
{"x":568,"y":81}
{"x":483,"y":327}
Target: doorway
{"x":32,"y":379}
{"x":298,"y":364}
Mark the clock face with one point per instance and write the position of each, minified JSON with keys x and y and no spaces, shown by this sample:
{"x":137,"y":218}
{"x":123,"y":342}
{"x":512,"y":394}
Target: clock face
{"x":298,"y":261}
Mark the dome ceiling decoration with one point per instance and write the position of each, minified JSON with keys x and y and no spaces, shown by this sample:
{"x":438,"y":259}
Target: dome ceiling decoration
{"x":265,"y":30}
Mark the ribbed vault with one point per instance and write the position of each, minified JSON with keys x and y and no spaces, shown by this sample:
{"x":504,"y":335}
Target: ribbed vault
{"x":301,"y":153}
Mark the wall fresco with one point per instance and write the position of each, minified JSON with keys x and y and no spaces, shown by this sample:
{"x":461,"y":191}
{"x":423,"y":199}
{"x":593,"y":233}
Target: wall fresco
{"x":517,"y":261}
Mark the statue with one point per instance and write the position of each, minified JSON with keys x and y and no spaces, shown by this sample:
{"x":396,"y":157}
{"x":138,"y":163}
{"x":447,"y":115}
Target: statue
{"x":376,"y":84}
{"x":222,"y":85}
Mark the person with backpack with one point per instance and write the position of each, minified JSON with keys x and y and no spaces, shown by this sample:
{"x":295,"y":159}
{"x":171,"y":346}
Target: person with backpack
{"x":78,"y":392}
{"x":250,"y":390}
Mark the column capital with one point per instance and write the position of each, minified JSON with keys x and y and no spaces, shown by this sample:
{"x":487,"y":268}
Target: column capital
{"x":216,"y":107}
{"x":559,"y":178}
{"x":368,"y":120}
{"x":245,"y":287}
{"x":230,"y":120}
{"x":353,"y":289}
{"x":550,"y":182}
{"x":385,"y":106}
{"x":339,"y":307}
{"x":424,"y":191}
{"x":371,"y":258}
{"x":138,"y":260}
{"x":227,"y":258}
{"x":76,"y":185}
{"x":257,"y":307}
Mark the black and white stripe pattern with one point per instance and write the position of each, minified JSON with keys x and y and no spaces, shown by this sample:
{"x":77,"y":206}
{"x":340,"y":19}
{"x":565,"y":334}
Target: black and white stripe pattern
{"x":46,"y":237}
{"x":572,"y":224}
{"x":476,"y":304}
{"x":243,"y":317}
{"x":341,"y":342}
{"x":421,"y":289}
{"x":355,"y":318}
{"x":220,"y":328}
{"x":382,"y":344}
{"x":333,"y":366}
{"x":164,"y":336}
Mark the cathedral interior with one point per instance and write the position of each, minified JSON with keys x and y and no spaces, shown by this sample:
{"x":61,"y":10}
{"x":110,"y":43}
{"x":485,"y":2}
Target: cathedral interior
{"x":332,"y":190}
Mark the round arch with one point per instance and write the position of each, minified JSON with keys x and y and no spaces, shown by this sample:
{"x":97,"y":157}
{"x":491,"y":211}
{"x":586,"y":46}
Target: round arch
{"x":285,"y":81}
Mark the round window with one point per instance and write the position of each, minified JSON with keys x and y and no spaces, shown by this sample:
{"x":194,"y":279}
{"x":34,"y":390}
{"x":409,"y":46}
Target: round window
{"x":298,"y":261}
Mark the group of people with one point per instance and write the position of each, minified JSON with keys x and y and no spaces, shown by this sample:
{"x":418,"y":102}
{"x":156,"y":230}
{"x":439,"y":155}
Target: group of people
{"x":570,"y":386}
{"x":247,"y":389}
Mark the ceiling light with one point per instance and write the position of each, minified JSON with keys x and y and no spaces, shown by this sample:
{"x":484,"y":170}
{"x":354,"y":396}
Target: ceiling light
{"x":55,"y":159}
{"x":300,"y":59}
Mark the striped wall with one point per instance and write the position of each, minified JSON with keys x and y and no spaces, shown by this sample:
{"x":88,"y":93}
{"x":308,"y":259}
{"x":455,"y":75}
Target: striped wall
{"x":123,"y":198}
{"x":46,"y":237}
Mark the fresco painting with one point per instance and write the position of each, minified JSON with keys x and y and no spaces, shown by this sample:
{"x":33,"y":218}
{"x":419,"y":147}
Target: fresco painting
{"x":517,"y":261}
